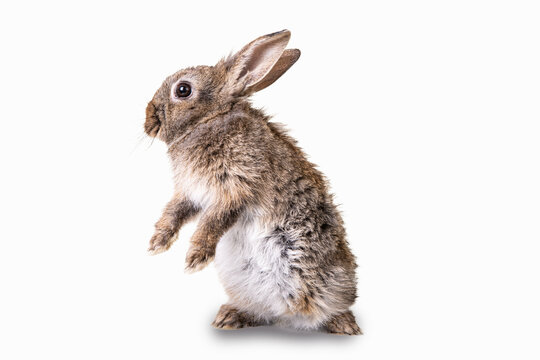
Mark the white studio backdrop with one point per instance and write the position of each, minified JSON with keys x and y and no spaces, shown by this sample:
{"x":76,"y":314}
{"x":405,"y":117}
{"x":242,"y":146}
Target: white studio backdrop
{"x":424,"y":116}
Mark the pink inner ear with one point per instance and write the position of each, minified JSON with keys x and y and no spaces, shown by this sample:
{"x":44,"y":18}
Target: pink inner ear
{"x":261,"y":59}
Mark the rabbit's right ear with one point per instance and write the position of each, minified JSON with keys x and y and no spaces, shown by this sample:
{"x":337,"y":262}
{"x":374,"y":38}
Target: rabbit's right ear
{"x":260,"y":63}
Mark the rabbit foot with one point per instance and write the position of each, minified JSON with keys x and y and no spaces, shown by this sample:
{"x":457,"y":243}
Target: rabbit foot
{"x":197,"y":258}
{"x":343,"y":324}
{"x":229,"y":318}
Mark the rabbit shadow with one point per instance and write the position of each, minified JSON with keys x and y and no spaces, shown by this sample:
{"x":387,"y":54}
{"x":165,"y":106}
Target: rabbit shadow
{"x":278,"y":333}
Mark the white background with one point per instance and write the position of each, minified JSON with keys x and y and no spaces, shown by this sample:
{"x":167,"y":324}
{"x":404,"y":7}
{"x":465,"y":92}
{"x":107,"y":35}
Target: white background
{"x":424,"y":115}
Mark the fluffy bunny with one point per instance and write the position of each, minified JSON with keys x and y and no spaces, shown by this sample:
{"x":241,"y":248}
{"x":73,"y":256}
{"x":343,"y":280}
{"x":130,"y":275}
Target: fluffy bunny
{"x":266,"y":217}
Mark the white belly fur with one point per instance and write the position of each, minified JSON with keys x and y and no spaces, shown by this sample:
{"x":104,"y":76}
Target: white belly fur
{"x":251,"y":268}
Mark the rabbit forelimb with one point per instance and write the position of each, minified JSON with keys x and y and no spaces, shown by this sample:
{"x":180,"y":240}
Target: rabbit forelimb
{"x":214,"y":223}
{"x":177,"y":212}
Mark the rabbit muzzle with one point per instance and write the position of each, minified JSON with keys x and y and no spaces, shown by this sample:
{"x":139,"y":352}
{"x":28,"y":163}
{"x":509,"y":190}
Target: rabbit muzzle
{"x":154,"y":116}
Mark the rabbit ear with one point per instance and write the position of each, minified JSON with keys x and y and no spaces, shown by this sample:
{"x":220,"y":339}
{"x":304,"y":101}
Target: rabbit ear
{"x":286,"y":60}
{"x":253,"y":64}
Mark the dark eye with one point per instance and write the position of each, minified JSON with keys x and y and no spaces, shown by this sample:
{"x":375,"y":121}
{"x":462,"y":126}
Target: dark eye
{"x":182,"y":90}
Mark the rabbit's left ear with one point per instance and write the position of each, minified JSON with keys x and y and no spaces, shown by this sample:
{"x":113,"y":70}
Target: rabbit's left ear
{"x":260,"y":63}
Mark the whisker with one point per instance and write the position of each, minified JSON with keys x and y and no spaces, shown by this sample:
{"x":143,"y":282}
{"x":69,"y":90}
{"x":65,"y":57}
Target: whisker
{"x":143,"y":137}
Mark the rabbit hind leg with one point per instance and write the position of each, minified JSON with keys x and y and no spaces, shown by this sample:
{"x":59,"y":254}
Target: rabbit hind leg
{"x":343,"y":324}
{"x":230,"y":318}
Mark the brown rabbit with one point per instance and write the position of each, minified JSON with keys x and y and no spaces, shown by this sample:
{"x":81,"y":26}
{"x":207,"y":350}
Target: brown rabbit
{"x":266,"y":217}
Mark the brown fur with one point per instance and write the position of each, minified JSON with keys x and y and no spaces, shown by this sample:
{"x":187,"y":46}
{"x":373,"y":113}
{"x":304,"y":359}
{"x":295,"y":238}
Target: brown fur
{"x":230,"y":318}
{"x":217,"y":138}
{"x":343,"y":324}
{"x":178,"y":211}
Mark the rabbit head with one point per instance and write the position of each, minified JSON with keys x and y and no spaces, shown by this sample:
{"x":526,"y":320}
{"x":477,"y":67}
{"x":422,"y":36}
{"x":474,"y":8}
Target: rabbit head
{"x":194,"y":94}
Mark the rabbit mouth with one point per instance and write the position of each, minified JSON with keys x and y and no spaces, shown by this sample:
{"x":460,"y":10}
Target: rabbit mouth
{"x":153,"y":120}
{"x":152,"y":126}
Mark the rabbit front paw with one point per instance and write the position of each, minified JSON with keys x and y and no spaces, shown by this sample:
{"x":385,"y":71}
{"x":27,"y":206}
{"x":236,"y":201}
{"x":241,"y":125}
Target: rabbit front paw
{"x":198,"y":257}
{"x":160,"y":242}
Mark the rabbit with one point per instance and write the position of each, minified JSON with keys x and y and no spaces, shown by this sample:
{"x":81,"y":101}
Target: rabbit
{"x":266,"y":217}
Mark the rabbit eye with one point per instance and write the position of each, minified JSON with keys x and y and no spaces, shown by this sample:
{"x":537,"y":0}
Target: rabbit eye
{"x":182,"y":90}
